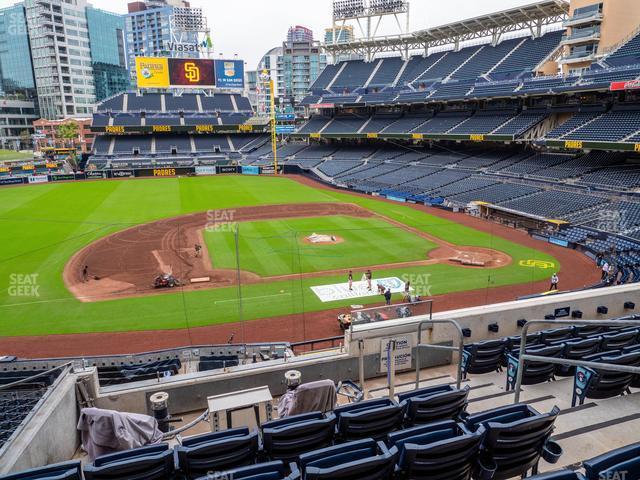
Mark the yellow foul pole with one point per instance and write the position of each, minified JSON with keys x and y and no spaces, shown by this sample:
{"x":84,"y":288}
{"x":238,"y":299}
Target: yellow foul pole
{"x":274,"y":136}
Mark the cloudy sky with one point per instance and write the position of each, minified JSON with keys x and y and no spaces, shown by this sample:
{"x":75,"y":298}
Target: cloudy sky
{"x":251,"y":27}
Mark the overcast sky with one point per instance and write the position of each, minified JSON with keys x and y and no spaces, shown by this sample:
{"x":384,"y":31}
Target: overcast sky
{"x":251,"y":27}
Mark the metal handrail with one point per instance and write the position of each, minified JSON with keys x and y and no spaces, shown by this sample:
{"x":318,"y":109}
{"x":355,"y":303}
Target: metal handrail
{"x":523,"y":357}
{"x":29,"y":379}
{"x":459,"y":348}
{"x":394,"y":306}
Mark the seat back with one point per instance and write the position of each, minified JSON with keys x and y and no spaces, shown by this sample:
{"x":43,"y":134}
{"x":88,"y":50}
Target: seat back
{"x":584,"y":331}
{"x":61,"y":471}
{"x":483,"y":357}
{"x":438,"y":451}
{"x":145,"y":463}
{"x":553,"y":335}
{"x":432,"y":404}
{"x":263,"y":471}
{"x":289,"y":437}
{"x":623,"y":459}
{"x":594,"y":383}
{"x":617,"y":341}
{"x":217,"y":451}
{"x":515,"y":437}
{"x":358,"y":460}
{"x":534,"y":372}
{"x":559,"y":475}
{"x":371,"y":418}
{"x":575,"y":350}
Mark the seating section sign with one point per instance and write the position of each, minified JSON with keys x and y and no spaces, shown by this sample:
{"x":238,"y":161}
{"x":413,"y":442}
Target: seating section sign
{"x":402,"y":355}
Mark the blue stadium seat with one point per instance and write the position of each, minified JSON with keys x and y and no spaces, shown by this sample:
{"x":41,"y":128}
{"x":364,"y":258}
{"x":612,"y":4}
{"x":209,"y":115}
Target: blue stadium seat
{"x":555,"y":335}
{"x":153,"y":462}
{"x":517,"y":436}
{"x":262,"y":471}
{"x":483,"y":357}
{"x":576,"y":350}
{"x":616,"y":341}
{"x":621,"y":463}
{"x":594,"y":383}
{"x":559,"y":475}
{"x":371,"y":418}
{"x":534,"y":372}
{"x":425,"y":405}
{"x":286,"y":438}
{"x":437,"y":451}
{"x":217,"y":451}
{"x":358,"y":460}
{"x":61,"y":471}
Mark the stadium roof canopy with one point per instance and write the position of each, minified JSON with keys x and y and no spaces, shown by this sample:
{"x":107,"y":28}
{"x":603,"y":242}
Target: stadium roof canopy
{"x":531,"y":17}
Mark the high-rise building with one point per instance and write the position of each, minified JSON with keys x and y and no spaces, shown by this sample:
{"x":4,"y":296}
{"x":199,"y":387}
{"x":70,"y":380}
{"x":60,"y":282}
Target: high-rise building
{"x":300,"y":65}
{"x":106,"y":41}
{"x":299,"y":34}
{"x":343,"y":34}
{"x":16,"y":69}
{"x":61,"y":55}
{"x":158,"y":28}
{"x":16,"y":122}
{"x":293,"y":67}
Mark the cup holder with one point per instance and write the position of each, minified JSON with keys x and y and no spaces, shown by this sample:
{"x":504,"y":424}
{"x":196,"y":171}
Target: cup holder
{"x":486,"y":469}
{"x":552,"y":452}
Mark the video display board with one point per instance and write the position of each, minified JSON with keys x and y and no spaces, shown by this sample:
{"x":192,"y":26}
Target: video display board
{"x":156,"y":72}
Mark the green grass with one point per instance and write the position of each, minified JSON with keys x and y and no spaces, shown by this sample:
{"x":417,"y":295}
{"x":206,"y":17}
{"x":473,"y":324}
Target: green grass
{"x":277,"y":247}
{"x":10,"y":155}
{"x":42,"y":226}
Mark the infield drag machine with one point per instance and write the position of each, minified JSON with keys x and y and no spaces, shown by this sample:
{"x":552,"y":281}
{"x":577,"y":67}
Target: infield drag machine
{"x":166,"y":280}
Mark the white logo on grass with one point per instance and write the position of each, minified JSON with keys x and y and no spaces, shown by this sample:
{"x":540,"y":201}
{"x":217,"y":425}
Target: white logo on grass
{"x":221,"y":221}
{"x":24,"y":285}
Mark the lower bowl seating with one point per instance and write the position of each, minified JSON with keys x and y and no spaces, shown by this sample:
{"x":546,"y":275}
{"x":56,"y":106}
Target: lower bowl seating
{"x":438,"y":451}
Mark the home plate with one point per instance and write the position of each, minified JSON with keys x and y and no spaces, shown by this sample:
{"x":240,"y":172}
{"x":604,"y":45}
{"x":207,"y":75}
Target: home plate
{"x":201,"y":280}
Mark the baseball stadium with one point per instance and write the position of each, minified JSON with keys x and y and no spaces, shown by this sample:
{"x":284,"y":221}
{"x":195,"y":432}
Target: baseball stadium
{"x":426,"y":267}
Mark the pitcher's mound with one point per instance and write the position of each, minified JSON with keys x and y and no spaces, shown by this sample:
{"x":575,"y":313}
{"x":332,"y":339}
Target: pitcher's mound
{"x":321,"y":239}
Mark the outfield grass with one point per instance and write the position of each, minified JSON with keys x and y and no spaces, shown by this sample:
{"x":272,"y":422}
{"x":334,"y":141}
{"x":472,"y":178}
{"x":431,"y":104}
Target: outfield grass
{"x":277,"y":247}
{"x":11,"y":155}
{"x":42,"y":226}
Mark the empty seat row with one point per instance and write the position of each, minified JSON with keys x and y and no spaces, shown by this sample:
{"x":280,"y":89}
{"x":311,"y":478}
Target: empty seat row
{"x":498,"y":444}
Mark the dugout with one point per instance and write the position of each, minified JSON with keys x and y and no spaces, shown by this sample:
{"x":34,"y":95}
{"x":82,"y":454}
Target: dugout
{"x":516,"y":219}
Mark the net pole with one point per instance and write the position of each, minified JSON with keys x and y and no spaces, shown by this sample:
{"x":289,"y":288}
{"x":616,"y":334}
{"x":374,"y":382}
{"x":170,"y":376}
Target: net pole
{"x":237,"y":245}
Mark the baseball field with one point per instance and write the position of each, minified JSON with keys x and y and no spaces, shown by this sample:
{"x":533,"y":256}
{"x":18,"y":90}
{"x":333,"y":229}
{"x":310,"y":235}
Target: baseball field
{"x":253,"y":229}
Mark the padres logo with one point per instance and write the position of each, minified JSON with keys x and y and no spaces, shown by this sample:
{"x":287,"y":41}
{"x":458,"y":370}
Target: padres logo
{"x":192,"y":72}
{"x":537,"y":264}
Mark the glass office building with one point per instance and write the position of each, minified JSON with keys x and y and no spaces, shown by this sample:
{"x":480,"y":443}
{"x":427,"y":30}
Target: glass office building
{"x":106,"y":41}
{"x":61,"y":56}
{"x":16,"y":69}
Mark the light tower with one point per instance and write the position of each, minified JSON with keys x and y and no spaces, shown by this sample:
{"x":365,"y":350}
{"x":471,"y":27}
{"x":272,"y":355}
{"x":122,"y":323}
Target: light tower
{"x":267,"y":82}
{"x":189,"y":25}
{"x":371,"y":13}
